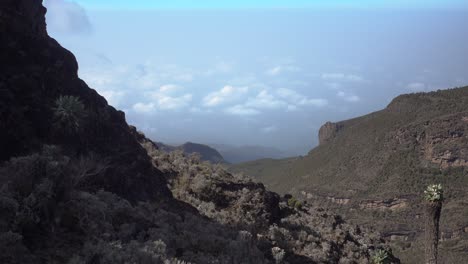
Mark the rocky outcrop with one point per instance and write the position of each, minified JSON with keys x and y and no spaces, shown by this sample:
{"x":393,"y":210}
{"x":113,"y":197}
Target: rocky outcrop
{"x":340,"y":201}
{"x":440,"y":141}
{"x":444,"y":140}
{"x":400,"y":235}
{"x":335,"y":200}
{"x":329,"y":131}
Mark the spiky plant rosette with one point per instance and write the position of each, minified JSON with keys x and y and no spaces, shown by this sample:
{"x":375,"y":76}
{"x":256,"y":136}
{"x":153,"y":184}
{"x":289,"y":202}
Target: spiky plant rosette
{"x":69,"y":112}
{"x":434,"y":193}
{"x":380,"y":257}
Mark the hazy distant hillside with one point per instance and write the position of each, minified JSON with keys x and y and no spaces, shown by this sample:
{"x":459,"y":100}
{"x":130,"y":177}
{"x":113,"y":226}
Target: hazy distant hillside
{"x":238,"y":154}
{"x":206,"y":152}
{"x":374,"y":168}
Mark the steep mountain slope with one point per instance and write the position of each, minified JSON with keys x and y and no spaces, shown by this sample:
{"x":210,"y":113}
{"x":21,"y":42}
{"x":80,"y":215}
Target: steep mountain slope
{"x":77,"y":186}
{"x":206,"y":152}
{"x":374,"y":168}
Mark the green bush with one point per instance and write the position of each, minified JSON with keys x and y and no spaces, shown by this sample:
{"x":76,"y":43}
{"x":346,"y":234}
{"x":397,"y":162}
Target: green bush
{"x":293,"y":202}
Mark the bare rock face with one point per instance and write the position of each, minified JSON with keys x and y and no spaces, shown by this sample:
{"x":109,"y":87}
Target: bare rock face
{"x":328,"y":132}
{"x":441,"y":141}
{"x":389,"y":204}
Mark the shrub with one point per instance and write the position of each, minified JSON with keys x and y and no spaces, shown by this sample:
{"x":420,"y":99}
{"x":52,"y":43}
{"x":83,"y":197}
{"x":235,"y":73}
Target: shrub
{"x":69,"y":113}
{"x":293,"y":202}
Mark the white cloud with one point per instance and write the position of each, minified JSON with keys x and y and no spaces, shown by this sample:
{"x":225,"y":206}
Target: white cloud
{"x":269,"y":129}
{"x":144,"y":108}
{"x":349,"y":97}
{"x":166,"y":99}
{"x":416,"y":86}
{"x":296,"y":98}
{"x":226,"y":94}
{"x":342,"y":77}
{"x":290,"y":95}
{"x":66,"y":17}
{"x":280,"y":69}
{"x":168,"y":88}
{"x":265,"y":100}
{"x":241,"y":110}
{"x":283,"y":99}
{"x":174,"y":103}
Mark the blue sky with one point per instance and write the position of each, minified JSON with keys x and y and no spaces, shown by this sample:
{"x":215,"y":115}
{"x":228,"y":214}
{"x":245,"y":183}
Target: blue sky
{"x":267,"y":77}
{"x":192,"y":4}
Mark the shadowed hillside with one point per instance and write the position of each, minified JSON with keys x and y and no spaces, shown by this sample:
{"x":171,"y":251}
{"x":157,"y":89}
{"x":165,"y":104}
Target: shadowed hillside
{"x":374,"y":168}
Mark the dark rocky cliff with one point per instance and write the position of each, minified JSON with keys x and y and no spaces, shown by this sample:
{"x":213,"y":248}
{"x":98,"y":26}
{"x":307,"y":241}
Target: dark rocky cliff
{"x":34,"y":72}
